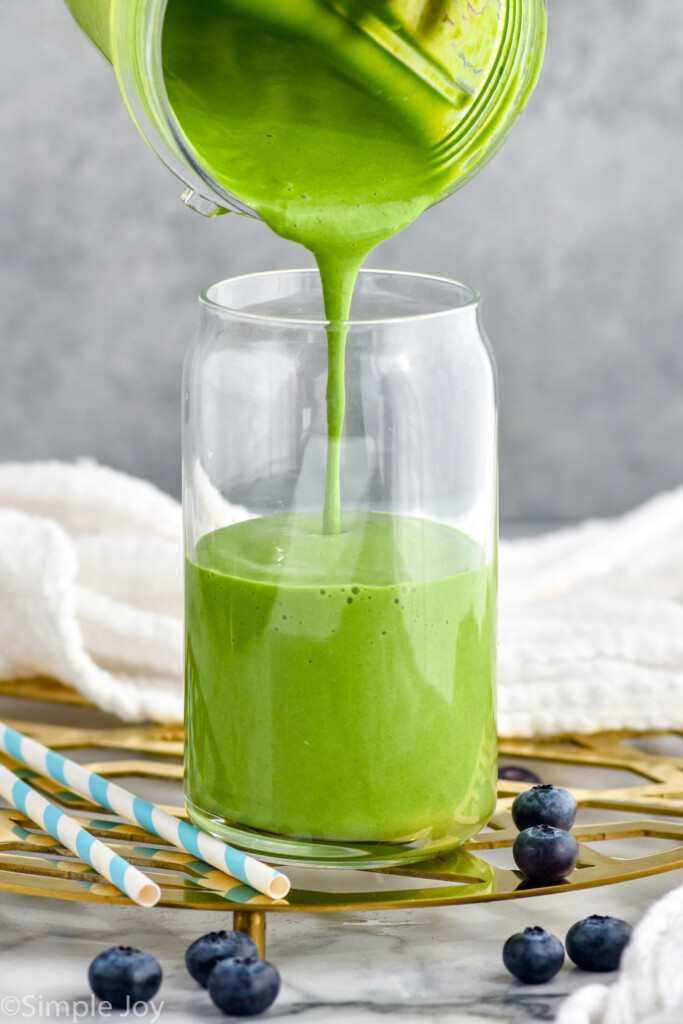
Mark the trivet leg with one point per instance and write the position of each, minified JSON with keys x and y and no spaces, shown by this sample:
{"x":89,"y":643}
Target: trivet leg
{"x":254,"y":924}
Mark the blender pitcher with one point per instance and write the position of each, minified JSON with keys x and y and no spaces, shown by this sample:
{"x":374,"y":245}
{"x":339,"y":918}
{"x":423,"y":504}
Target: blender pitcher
{"x":461,"y":71}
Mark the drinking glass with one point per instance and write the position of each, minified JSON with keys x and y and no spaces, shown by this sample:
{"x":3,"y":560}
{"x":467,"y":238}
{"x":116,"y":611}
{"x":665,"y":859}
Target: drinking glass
{"x":340,"y":682}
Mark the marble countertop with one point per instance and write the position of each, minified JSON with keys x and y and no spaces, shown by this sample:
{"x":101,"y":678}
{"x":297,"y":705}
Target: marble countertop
{"x":440,"y":964}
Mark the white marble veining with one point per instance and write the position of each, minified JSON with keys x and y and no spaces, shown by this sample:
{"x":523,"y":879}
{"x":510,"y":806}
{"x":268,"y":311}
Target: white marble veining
{"x":433,"y":965}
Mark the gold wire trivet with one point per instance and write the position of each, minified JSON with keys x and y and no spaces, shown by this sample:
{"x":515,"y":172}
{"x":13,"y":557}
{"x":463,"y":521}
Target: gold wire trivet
{"x":34,"y":863}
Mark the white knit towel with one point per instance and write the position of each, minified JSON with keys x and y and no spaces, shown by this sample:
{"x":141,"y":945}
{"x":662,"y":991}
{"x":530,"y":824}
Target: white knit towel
{"x":91,"y":585}
{"x":591,"y":625}
{"x":591,"y":619}
{"x":649,"y":988}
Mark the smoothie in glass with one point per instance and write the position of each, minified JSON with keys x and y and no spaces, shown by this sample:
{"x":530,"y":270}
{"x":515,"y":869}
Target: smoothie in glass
{"x":341,"y":687}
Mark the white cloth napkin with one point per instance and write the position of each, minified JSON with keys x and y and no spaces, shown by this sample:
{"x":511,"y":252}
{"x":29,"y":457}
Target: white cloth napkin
{"x":591,"y":625}
{"x":91,"y":585}
{"x":591,"y":619}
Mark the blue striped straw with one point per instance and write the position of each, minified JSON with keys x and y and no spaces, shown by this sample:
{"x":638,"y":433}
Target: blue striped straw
{"x":69,"y":833}
{"x":150,"y":817}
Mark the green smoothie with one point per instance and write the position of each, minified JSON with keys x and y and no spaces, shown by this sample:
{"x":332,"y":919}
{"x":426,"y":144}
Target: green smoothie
{"x":340,"y":665}
{"x":341,"y":687}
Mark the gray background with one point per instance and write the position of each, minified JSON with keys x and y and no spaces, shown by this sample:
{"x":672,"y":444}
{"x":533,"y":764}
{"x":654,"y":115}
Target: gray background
{"x":574,"y":235}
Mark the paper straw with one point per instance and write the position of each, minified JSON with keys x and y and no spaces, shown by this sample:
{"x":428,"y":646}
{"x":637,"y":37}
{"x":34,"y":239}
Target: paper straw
{"x":134,"y":809}
{"x":70,"y":834}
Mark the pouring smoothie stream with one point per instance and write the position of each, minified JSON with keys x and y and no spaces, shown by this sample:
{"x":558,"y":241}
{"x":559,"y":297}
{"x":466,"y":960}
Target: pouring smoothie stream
{"x":337,"y":141}
{"x":340,"y":662}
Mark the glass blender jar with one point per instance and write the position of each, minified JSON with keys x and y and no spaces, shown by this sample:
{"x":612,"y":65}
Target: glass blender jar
{"x":475,"y":65}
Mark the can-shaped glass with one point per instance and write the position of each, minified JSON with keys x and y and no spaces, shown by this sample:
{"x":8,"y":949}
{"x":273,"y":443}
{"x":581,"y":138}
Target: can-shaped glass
{"x":340,"y":669}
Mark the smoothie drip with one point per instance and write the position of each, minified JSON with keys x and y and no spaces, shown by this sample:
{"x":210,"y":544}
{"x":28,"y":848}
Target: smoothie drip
{"x":338,"y":279}
{"x":335,"y":123}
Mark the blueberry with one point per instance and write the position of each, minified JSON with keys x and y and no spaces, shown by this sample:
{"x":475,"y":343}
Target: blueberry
{"x":545,"y":853}
{"x":243,"y":986}
{"x":124,"y":976}
{"x":544,"y":805}
{"x":596,"y":943}
{"x":533,"y":955}
{"x":513,"y":773}
{"x":204,"y":953}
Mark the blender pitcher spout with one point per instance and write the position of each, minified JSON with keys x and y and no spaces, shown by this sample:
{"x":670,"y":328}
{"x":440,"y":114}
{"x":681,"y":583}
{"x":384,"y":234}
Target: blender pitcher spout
{"x":200,"y":204}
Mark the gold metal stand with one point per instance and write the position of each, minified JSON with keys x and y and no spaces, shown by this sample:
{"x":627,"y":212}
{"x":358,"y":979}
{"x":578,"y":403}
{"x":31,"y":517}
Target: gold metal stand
{"x":253,"y":924}
{"x":34,"y":863}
